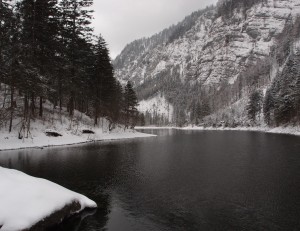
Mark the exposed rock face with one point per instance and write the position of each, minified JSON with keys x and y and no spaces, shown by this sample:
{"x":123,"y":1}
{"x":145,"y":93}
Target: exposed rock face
{"x":212,"y":52}
{"x":57,"y":217}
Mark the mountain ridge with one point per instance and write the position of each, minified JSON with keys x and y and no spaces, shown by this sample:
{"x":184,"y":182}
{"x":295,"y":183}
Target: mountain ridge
{"x":208,"y":59}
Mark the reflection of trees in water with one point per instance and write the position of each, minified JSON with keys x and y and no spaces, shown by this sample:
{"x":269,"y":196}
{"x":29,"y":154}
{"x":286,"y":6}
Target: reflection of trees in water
{"x":180,"y":180}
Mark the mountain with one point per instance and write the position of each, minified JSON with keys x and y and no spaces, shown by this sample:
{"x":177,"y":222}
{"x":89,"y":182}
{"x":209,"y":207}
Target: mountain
{"x":208,"y":66}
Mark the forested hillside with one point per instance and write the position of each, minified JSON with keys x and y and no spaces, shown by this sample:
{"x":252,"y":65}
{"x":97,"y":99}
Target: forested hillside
{"x":50,"y":61}
{"x":235,"y":64}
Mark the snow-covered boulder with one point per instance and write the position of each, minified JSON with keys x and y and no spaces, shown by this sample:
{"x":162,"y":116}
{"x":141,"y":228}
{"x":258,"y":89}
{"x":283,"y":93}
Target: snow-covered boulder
{"x":29,"y":203}
{"x":51,"y":132}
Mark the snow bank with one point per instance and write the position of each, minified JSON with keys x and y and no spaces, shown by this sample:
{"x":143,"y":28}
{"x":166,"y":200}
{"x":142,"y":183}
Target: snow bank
{"x":290,"y":130}
{"x":39,"y":139}
{"x":70,"y":129}
{"x":25,"y":200}
{"x":153,"y":128}
{"x":278,"y":130}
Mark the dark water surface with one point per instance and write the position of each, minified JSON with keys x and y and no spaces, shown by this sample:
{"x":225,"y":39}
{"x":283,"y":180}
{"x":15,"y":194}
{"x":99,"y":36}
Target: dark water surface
{"x":180,"y":180}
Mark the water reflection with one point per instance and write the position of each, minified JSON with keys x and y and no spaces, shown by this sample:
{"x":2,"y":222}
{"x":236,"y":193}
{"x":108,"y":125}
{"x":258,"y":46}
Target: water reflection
{"x":195,"y":180}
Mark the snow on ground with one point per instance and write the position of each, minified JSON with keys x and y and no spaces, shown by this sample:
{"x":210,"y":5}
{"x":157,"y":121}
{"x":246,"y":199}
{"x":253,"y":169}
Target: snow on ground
{"x":153,"y":128}
{"x":278,"y":130}
{"x":157,"y":105}
{"x":26,"y":200}
{"x":70,"y":129}
{"x":39,"y":139}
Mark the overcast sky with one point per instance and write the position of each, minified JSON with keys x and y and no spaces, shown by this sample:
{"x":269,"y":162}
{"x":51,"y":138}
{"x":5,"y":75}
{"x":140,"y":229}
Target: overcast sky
{"x":122,"y":21}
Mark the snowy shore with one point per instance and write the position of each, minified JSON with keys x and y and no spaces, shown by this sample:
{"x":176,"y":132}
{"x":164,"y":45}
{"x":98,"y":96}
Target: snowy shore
{"x":28,"y":202}
{"x":39,"y":139}
{"x":70,"y":130}
{"x":277,"y":130}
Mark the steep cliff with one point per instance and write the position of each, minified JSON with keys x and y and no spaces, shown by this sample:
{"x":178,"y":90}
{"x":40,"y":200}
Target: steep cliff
{"x":207,"y":56}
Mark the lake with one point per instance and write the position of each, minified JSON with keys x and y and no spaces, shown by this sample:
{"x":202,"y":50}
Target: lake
{"x":179,"y":180}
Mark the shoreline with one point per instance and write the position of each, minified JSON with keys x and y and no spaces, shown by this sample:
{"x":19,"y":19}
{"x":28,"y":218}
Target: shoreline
{"x":108,"y":137}
{"x":295,"y":131}
{"x":50,"y":204}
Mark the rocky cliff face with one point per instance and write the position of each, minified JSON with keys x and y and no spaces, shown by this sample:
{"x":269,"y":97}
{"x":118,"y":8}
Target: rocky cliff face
{"x":209,"y":50}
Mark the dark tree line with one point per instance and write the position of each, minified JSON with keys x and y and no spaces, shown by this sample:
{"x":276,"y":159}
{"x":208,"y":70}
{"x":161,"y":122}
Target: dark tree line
{"x":227,"y":7}
{"x":282,"y":100}
{"x":281,"y":103}
{"x":48,"y":52}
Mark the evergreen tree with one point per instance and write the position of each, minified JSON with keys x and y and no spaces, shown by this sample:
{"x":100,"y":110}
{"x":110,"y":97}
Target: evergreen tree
{"x":39,"y":40}
{"x":268,"y":107}
{"x":47,"y":52}
{"x":7,"y":28}
{"x":9,"y":52}
{"x":104,"y":83}
{"x":254,"y":105}
{"x":117,"y":102}
{"x":142,"y":119}
{"x":74,"y":27}
{"x":130,"y":104}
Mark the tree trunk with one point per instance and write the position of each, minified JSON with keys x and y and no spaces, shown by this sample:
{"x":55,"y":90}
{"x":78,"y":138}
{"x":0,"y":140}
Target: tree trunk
{"x":11,"y":108}
{"x":32,"y":104}
{"x":41,"y":107}
{"x":25,"y":105}
{"x":4,"y":100}
{"x":71,"y":105}
{"x":96,"y":120}
{"x":60,"y":93}
{"x":96,"y":114}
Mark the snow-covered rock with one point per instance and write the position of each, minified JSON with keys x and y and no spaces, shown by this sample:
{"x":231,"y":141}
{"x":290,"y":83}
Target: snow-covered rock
{"x":25,"y":201}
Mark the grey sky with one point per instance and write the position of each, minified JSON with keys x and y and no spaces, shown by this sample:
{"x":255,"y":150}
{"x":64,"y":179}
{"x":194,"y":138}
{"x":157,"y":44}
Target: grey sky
{"x":122,"y":21}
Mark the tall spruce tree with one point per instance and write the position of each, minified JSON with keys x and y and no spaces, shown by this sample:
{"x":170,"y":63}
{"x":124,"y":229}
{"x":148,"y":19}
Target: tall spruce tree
{"x":102,"y":78}
{"x":75,"y":26}
{"x":47,"y":27}
{"x":254,"y":105}
{"x":47,"y":52}
{"x":10,"y":52}
{"x":130,"y":104}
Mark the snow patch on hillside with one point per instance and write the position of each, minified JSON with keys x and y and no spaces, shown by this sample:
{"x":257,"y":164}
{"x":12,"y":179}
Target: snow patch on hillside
{"x":157,"y":105}
{"x":160,"y":67}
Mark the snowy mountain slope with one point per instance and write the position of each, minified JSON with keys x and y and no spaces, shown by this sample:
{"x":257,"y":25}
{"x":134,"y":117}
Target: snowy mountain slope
{"x":213,"y":48}
{"x":157,"y":105}
{"x":212,"y":52}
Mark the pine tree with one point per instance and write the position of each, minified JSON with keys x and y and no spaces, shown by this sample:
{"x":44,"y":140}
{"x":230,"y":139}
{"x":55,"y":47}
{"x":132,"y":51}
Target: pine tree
{"x":268,"y":107}
{"x":130,"y":104}
{"x":142,"y":119}
{"x":117,"y":103}
{"x":74,"y":27}
{"x":9,"y":52}
{"x":7,"y":19}
{"x":37,"y":36}
{"x":254,"y":105}
{"x":47,"y":52}
{"x":103,"y":80}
